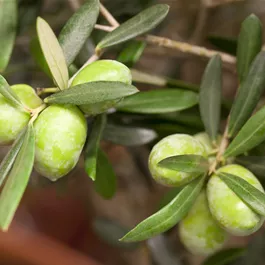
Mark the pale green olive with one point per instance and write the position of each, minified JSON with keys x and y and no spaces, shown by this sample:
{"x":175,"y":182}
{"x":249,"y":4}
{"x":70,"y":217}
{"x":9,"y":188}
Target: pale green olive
{"x":227,"y":208}
{"x":176,"y":144}
{"x":199,"y":232}
{"x":12,"y":119}
{"x":60,"y":136}
{"x":102,"y":70}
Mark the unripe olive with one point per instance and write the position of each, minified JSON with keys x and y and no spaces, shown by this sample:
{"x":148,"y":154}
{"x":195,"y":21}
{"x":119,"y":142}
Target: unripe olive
{"x":227,"y":208}
{"x":199,"y":232}
{"x":60,"y":133}
{"x":102,"y":70}
{"x":204,"y":139}
{"x":176,"y":144}
{"x":12,"y":119}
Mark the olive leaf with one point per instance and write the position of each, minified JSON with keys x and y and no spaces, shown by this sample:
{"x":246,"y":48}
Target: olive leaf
{"x":92,"y":92}
{"x":110,"y":231}
{"x":9,"y":94}
{"x":253,"y":197}
{"x":256,"y":164}
{"x":249,"y":44}
{"x":8,"y":22}
{"x":106,"y":181}
{"x":77,"y":29}
{"x":92,"y":146}
{"x":185,"y":163}
{"x":17,"y":180}
{"x":168,"y":216}
{"x":137,"y":25}
{"x":225,"y":256}
{"x":10,"y":157}
{"x":53,"y":53}
{"x":210,"y":96}
{"x":128,"y":136}
{"x":249,"y":94}
{"x":226,"y":44}
{"x":159,"y":101}
{"x":251,"y":135}
{"x":132,"y":53}
{"x":168,"y":197}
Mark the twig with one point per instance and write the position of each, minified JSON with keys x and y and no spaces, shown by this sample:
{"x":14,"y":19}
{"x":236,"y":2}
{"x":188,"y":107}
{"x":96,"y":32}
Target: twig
{"x":41,"y":91}
{"x":104,"y":27}
{"x":105,"y":13}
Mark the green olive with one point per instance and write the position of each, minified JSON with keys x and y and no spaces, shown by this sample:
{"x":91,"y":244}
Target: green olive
{"x":176,"y":144}
{"x":60,"y":136}
{"x":199,"y":232}
{"x":227,"y":208}
{"x":12,"y":119}
{"x":102,"y":70}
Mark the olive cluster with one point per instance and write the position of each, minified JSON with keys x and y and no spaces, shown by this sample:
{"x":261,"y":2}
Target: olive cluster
{"x":60,"y":130}
{"x":218,"y":211}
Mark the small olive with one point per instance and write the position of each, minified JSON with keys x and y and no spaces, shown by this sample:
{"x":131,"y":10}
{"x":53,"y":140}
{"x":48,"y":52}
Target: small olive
{"x":199,"y":232}
{"x":227,"y":208}
{"x":60,"y":132}
{"x":102,"y":70}
{"x":176,"y":144}
{"x":12,"y":119}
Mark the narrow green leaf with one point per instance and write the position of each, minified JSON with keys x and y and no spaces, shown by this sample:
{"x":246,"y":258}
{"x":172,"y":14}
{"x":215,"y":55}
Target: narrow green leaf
{"x":248,"y":95}
{"x":77,"y":29}
{"x":168,"y":216}
{"x":110,"y":232}
{"x":106,"y":181}
{"x":249,"y":44}
{"x":10,"y":157}
{"x":132,"y":53}
{"x":225,"y":44}
{"x":92,"y":92}
{"x":9,"y":94}
{"x":251,"y":135}
{"x":53,"y":53}
{"x":8,"y":22}
{"x":256,"y":164}
{"x":253,"y":197}
{"x":168,"y":197}
{"x":159,"y":101}
{"x":17,"y":180}
{"x":128,"y":136}
{"x":137,"y":25}
{"x":225,"y":256}
{"x":210,"y":96}
{"x":92,"y":146}
{"x":185,"y":163}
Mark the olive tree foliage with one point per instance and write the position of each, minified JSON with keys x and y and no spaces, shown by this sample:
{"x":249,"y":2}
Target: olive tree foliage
{"x":126,"y":116}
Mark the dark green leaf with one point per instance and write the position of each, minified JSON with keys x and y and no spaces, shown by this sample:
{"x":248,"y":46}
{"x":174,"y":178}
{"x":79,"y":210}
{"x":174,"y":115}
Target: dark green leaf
{"x":210,"y":96}
{"x":110,"y":232}
{"x":226,"y":44}
{"x":17,"y":180}
{"x":168,"y":197}
{"x":256,"y":164}
{"x":92,"y":92}
{"x":92,"y":146}
{"x":185,"y":163}
{"x":131,"y":53}
{"x":8,"y":22}
{"x":38,"y":56}
{"x":168,"y":216}
{"x":105,"y":183}
{"x":251,"y":135}
{"x":128,"y":136}
{"x":10,"y":157}
{"x":137,"y":25}
{"x":159,"y":101}
{"x":53,"y":54}
{"x":77,"y":29}
{"x":9,"y":94}
{"x":253,"y":197}
{"x":225,"y":257}
{"x":249,"y":44}
{"x":248,"y":95}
